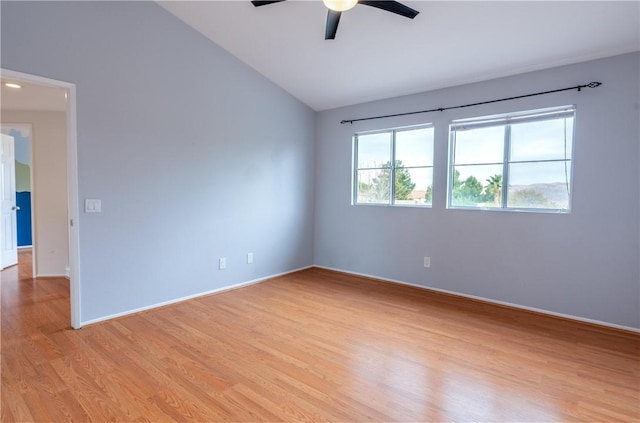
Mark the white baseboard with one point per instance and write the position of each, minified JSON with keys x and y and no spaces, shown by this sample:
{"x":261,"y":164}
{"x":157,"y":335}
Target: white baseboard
{"x":488,"y":300}
{"x":188,"y":297}
{"x":426,"y":288}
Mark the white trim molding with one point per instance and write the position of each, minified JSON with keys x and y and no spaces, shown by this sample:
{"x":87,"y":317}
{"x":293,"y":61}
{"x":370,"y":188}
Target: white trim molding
{"x":190,"y":297}
{"x":490,"y":301}
{"x":72,"y":183}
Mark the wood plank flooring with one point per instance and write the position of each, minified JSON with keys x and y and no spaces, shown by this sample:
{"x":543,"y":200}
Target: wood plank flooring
{"x":313,"y":346}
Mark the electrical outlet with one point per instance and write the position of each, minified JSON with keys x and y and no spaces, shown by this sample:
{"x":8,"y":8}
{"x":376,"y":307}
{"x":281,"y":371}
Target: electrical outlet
{"x":222,"y":263}
{"x":427,"y":261}
{"x":249,"y":258}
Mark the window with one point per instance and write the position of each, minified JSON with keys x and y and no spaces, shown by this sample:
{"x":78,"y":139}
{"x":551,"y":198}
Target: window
{"x":394,"y":167}
{"x":528,"y":153}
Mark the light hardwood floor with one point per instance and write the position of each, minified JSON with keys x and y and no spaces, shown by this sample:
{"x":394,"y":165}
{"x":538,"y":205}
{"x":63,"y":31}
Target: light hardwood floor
{"x":311,"y":346}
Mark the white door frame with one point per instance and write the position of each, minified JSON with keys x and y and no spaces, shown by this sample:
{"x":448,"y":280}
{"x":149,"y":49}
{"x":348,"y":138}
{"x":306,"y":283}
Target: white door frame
{"x":72,"y":184}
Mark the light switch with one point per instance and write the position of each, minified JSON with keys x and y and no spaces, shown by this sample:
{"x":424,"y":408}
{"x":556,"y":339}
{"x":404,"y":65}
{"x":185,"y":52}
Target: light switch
{"x":92,"y":206}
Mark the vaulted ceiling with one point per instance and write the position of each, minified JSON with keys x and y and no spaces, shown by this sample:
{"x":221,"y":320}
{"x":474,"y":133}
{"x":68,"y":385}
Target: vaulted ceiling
{"x":378,"y":55}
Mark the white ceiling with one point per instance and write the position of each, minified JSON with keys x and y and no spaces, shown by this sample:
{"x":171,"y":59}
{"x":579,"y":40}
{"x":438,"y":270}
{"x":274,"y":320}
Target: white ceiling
{"x":378,"y":55}
{"x":32,"y":97}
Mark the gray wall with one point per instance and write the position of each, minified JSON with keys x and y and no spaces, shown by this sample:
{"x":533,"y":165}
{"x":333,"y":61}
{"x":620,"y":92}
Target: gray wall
{"x":194,"y":155}
{"x":583,"y":264}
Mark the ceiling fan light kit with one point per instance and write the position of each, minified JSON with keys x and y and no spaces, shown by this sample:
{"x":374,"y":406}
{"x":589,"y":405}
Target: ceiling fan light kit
{"x":336,"y":7}
{"x":340,"y":5}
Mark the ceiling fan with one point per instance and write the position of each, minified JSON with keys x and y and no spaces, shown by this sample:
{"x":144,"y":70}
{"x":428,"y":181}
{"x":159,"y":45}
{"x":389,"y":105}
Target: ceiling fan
{"x":336,"y":7}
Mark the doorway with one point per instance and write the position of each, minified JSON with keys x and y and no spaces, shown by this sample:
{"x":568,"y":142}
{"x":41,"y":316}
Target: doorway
{"x":17,"y":165}
{"x":68,"y":149}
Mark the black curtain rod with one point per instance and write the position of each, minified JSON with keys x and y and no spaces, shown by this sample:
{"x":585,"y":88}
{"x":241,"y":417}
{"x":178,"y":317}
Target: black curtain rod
{"x":442,"y":109}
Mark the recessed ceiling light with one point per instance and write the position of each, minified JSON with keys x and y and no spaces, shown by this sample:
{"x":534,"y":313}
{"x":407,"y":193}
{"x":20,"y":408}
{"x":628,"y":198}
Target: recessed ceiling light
{"x":12,"y":85}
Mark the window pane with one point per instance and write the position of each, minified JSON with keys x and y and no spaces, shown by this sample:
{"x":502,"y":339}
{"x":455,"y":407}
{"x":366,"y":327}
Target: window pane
{"x":415,"y":147}
{"x":539,"y":185}
{"x":542,"y":140}
{"x":373,"y":186}
{"x":413,"y":186}
{"x":374,"y":150}
{"x":476,"y":186}
{"x":481,"y":145}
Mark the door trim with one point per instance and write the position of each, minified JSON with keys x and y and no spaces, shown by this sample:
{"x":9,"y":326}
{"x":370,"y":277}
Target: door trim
{"x":72,"y":185}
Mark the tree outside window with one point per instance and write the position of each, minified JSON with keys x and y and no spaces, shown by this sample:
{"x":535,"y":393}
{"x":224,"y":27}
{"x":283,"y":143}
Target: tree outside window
{"x":519,"y":161}
{"x":394,"y":167}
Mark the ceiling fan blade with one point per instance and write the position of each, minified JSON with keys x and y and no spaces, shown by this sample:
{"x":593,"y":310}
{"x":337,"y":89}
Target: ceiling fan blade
{"x":393,"y":7}
{"x":264,"y":3}
{"x":333,"y":19}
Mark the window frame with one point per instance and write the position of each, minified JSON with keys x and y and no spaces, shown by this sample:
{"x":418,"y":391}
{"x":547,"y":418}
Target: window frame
{"x":392,"y":165}
{"x":506,"y":120}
